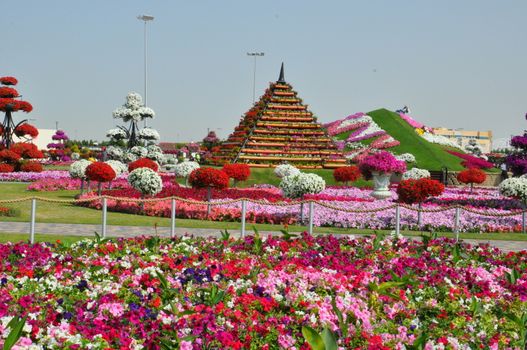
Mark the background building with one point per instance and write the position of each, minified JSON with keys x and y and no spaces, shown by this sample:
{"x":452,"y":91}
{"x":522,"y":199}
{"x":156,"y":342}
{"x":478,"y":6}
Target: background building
{"x":42,"y":140}
{"x":462,"y":137}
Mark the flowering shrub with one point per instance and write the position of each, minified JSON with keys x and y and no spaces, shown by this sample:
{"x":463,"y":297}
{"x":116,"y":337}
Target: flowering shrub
{"x":416,"y":173}
{"x":515,"y":187}
{"x":296,"y":186}
{"x":8,"y":104}
{"x":416,"y":191}
{"x":440,"y":140}
{"x":78,"y":169}
{"x":26,"y":129}
{"x":382,"y":162}
{"x":472,"y":176}
{"x":284,"y":170}
{"x":238,"y":172}
{"x":184,"y":169}
{"x":31,"y":167}
{"x":116,"y":134}
{"x":143,"y":163}
{"x":516,"y":159}
{"x":9,"y":156}
{"x":209,"y":177}
{"x":133,"y":109}
{"x":100,"y":172}
{"x":146,"y":181}
{"x":117,"y":166}
{"x":6,"y":168}
{"x":346,"y":174}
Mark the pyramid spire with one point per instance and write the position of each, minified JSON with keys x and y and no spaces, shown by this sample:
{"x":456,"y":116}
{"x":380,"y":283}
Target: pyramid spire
{"x":281,"y":78}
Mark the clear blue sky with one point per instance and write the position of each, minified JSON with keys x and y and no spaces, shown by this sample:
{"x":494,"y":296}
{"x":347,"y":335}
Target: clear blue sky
{"x":458,"y":64}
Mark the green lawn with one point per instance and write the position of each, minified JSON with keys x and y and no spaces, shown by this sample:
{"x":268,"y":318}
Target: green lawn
{"x":67,"y":213}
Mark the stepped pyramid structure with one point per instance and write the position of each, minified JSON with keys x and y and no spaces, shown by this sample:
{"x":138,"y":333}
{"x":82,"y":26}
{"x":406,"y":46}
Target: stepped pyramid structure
{"x":280,"y":129}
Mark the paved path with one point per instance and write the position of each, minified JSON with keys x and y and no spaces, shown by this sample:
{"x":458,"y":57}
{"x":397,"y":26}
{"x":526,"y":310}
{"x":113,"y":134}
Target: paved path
{"x":131,"y":231}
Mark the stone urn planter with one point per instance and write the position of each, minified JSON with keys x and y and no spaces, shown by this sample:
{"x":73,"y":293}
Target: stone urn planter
{"x":381,"y":183}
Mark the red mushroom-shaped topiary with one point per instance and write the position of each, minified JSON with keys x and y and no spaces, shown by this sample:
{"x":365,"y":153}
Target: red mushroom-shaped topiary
{"x":346,"y":174}
{"x":416,"y":191}
{"x":237,"y":172}
{"x":27,"y":150}
{"x":26,"y":129}
{"x":8,"y":81}
{"x":143,"y":163}
{"x":100,"y":172}
{"x":209,"y":178}
{"x":7,"y":92}
{"x":472,"y":176}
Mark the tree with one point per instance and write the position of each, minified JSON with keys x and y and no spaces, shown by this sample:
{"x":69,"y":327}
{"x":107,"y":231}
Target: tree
{"x":472,"y":176}
{"x":133,"y":111}
{"x":346,"y":174}
{"x":413,"y":191}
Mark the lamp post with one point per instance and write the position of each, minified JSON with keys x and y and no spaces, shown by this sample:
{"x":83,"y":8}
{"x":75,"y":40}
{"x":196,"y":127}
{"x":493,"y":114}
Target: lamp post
{"x":145,"y":19}
{"x":254,"y":54}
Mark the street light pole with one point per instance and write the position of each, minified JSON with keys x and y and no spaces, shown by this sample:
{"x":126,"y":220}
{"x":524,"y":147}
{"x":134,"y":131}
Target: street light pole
{"x":255,"y":54}
{"x":145,"y":18}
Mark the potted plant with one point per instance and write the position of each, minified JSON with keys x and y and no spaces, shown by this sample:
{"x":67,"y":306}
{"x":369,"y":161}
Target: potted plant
{"x":380,"y":167}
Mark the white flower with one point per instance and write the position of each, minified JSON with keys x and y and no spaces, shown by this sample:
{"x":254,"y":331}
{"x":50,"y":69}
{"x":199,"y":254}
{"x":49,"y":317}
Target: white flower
{"x":75,"y":156}
{"x":284,"y":170}
{"x":407,"y":157}
{"x":117,"y":166}
{"x":114,"y":152}
{"x":139,"y":151}
{"x":296,"y":186}
{"x":146,"y":181}
{"x":133,"y":109}
{"x":157,"y":156}
{"x":185,"y":168}
{"x":129,"y":157}
{"x":116,"y":134}
{"x":416,"y":173}
{"x":514,"y":187}
{"x":440,"y":140}
{"x":78,"y":168}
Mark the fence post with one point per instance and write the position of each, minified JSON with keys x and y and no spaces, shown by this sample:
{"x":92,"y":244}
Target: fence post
{"x":456,"y":223}
{"x":32,"y":222}
{"x":173,"y":218}
{"x":311,"y":215}
{"x":397,"y":220}
{"x":523,"y":221}
{"x":104,"y":216}
{"x":244,"y":210}
{"x":302,"y":212}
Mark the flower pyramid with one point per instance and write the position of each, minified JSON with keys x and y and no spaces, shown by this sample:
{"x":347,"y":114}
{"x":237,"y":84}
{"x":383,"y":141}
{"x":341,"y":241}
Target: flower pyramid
{"x":279,"y":128}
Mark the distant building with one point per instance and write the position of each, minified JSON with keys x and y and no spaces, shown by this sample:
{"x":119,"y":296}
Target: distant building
{"x":42,"y":140}
{"x":462,"y":137}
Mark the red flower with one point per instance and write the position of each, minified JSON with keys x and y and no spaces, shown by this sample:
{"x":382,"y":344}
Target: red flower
{"x":209,"y":177}
{"x":31,"y":167}
{"x":6,"y":168}
{"x":100,"y":172}
{"x":26,"y":129}
{"x":15,"y":105}
{"x":416,"y":191}
{"x":472,"y":176}
{"x":8,"y":81}
{"x":238,"y":172}
{"x":9,"y":156}
{"x":143,"y":163}
{"x":346,"y":174}
{"x":26,"y":150}
{"x":8,"y":92}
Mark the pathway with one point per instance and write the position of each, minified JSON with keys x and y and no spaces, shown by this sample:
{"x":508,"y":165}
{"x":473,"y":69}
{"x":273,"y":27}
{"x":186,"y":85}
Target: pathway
{"x":131,"y":231}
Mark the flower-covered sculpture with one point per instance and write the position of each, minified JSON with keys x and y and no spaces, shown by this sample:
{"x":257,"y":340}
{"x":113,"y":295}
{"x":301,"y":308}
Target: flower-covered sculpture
{"x":143,"y":163}
{"x":209,"y":178}
{"x":472,"y":176}
{"x":133,"y":111}
{"x":380,"y":166}
{"x":237,"y":172}
{"x":100,"y":172}
{"x":117,"y":166}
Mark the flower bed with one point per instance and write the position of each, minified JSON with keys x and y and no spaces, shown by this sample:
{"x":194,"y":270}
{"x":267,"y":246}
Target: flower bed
{"x":196,"y":293}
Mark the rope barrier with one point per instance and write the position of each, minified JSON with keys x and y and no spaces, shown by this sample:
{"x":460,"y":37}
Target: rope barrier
{"x":263,"y":202}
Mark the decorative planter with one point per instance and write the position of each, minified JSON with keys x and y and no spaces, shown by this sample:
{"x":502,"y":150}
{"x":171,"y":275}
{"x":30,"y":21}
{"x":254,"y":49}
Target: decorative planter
{"x":381,"y":181}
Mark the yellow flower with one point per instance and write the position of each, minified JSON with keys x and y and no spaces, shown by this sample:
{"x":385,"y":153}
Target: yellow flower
{"x":91,"y":159}
{"x":419,"y":131}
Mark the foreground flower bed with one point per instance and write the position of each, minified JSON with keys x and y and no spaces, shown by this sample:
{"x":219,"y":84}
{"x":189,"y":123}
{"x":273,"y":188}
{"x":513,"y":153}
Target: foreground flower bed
{"x":197,"y":293}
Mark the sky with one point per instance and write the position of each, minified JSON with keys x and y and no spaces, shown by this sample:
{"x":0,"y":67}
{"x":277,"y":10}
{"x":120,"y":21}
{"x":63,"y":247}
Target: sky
{"x":456,"y":64}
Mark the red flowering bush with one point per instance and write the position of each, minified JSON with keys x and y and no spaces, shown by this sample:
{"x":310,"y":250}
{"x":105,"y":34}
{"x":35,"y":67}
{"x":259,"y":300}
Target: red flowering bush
{"x":27,"y":150}
{"x":26,"y":129}
{"x":6,"y":168}
{"x":100,"y":172}
{"x":31,"y":167}
{"x":7,"y":92}
{"x":143,"y":163}
{"x":8,"y":81}
{"x":9,"y":156}
{"x":238,"y":172}
{"x":416,"y":191}
{"x":346,"y":174}
{"x":209,"y":177}
{"x":472,"y":176}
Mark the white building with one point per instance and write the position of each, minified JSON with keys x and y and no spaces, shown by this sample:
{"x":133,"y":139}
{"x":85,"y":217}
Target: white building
{"x":42,"y":140}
